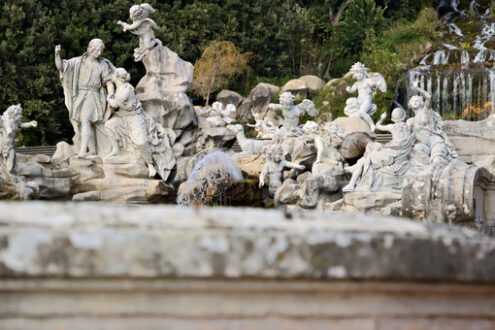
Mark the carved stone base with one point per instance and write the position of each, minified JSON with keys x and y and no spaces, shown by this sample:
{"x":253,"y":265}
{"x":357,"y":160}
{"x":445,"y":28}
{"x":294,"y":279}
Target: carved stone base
{"x":117,"y":179}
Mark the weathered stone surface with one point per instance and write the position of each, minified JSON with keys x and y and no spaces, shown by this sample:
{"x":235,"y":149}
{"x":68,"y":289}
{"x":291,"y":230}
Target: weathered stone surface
{"x":229,"y":97}
{"x":297,"y":87}
{"x":215,"y":138}
{"x":314,"y":83}
{"x":117,"y":240}
{"x":124,"y":304}
{"x":52,"y":183}
{"x":353,"y":124}
{"x":354,"y":145}
{"x":273,"y":88}
{"x":472,"y":139}
{"x":116,"y":179}
{"x":257,"y":102}
{"x":250,"y":165}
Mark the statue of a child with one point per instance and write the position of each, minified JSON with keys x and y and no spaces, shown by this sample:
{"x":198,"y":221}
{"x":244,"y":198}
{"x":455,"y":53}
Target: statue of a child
{"x":274,"y":166}
{"x":142,"y":26}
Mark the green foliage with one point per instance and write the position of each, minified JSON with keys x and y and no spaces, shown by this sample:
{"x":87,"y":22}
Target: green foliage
{"x":287,"y":38}
{"x":391,"y":52}
{"x":362,"y":19}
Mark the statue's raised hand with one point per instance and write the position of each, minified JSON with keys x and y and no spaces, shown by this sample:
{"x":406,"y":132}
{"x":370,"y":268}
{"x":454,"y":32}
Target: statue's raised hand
{"x":58,"y":48}
{"x":123,"y":24}
{"x":33,"y":123}
{"x":383,"y":116}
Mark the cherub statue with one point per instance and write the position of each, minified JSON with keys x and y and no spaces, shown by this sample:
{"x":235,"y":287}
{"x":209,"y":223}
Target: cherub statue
{"x":10,"y":125}
{"x":326,"y":153}
{"x":365,"y":86}
{"x":217,"y":116}
{"x":292,"y":112}
{"x":265,"y":129}
{"x":142,"y":26}
{"x":274,"y":166}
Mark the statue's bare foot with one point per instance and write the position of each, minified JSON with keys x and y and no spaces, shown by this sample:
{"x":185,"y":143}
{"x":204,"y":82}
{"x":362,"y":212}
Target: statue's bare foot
{"x":348,"y":188}
{"x":152,"y":170}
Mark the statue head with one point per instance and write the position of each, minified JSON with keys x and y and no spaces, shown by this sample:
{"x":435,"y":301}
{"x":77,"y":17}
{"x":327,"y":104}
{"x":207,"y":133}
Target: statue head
{"x":398,"y":115}
{"x":95,"y":48}
{"x":121,"y":74}
{"x":311,"y":128}
{"x":14,"y":112}
{"x":273,"y":152}
{"x":415,"y":103}
{"x":358,"y":71}
{"x":287,"y":99}
{"x":140,"y":12}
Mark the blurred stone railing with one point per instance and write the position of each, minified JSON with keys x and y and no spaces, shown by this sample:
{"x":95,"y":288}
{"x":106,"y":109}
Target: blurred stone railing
{"x":103,"y":266}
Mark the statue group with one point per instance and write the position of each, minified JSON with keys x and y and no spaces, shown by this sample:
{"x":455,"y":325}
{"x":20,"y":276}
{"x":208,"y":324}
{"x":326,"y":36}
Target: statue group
{"x":130,"y":143}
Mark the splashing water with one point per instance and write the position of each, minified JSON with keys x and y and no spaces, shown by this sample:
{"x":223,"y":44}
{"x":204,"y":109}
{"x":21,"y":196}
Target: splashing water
{"x":209,"y":179}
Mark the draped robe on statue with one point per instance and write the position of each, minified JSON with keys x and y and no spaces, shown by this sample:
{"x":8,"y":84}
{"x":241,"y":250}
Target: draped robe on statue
{"x":85,"y":97}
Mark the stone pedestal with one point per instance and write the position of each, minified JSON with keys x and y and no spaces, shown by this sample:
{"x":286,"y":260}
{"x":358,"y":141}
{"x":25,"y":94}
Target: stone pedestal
{"x":117,"y":179}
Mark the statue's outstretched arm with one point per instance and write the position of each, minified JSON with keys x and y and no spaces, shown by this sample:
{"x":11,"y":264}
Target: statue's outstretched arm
{"x":426,"y":96}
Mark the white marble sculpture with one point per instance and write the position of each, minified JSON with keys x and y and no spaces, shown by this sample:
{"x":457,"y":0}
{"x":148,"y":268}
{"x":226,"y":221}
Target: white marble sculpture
{"x":365,"y":85}
{"x":273,"y":167}
{"x":382,"y":166}
{"x":162,"y":91}
{"x":216,"y":116}
{"x":87,"y":81}
{"x":10,"y":125}
{"x":132,"y":131}
{"x":248,"y":146}
{"x":432,"y":144}
{"x":142,"y":26}
{"x":265,"y":129}
{"x":328,"y":159}
{"x":292,"y":112}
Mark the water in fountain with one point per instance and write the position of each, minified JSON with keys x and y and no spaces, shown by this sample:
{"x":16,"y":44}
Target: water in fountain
{"x":209,"y":180}
{"x":459,"y":73}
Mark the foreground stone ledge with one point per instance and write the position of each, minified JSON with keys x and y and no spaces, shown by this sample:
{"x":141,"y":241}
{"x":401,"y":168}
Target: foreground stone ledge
{"x":96,"y":240}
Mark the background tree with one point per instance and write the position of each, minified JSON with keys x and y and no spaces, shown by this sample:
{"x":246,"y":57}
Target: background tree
{"x":219,"y":63}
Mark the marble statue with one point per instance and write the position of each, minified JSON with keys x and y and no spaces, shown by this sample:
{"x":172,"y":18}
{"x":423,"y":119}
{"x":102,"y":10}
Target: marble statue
{"x":127,"y":127}
{"x":10,"y":125}
{"x":265,"y":129}
{"x":142,"y":26}
{"x":217,"y":116}
{"x":86,"y":81}
{"x":248,"y":146}
{"x":292,"y":112}
{"x":432,"y":147}
{"x":130,"y":129}
{"x":162,"y":91}
{"x":382,"y":166}
{"x":328,"y":159}
{"x":273,"y":167}
{"x":365,"y":85}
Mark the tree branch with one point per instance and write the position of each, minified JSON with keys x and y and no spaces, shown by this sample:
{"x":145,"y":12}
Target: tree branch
{"x":335,"y":18}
